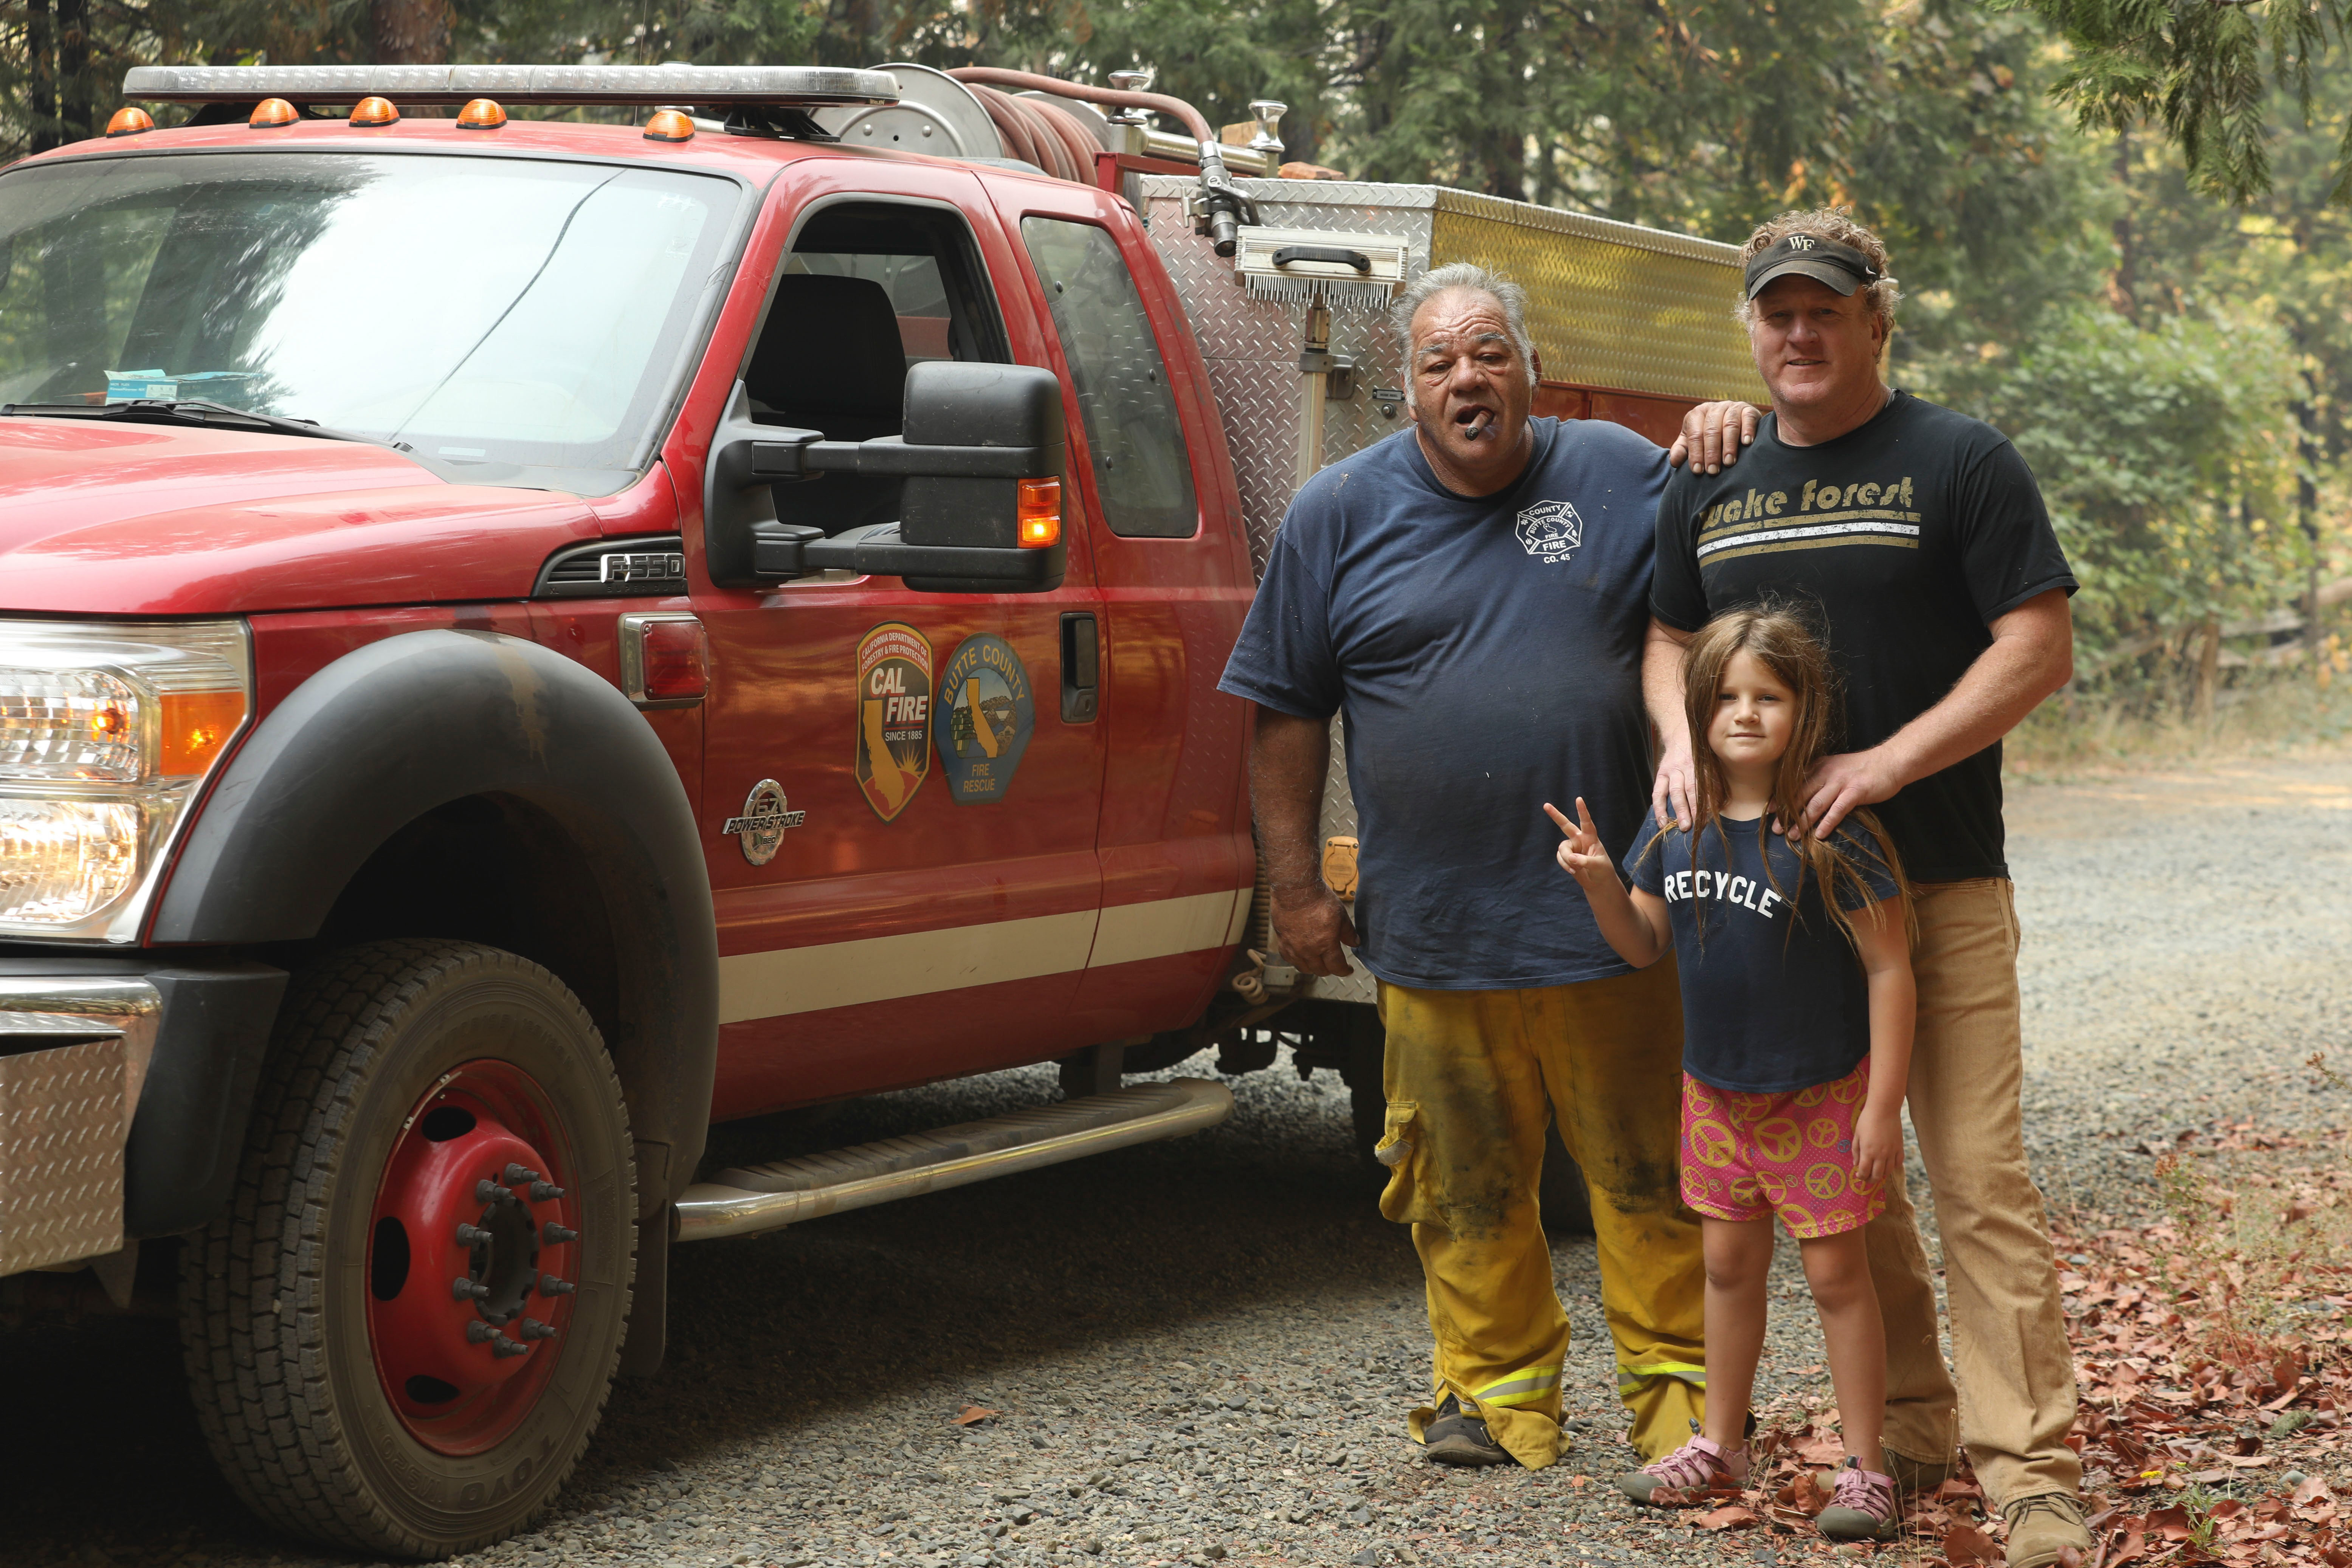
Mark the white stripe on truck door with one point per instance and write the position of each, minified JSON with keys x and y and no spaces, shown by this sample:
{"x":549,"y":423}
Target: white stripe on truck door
{"x":917,"y":963}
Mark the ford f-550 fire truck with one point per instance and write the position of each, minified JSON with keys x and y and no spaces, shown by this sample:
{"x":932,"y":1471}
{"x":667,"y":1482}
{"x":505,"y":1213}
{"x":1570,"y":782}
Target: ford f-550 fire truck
{"x":520,"y":639}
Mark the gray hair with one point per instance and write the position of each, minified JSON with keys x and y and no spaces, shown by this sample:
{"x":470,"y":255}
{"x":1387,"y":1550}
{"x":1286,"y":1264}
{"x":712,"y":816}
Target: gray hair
{"x":1465,"y":275}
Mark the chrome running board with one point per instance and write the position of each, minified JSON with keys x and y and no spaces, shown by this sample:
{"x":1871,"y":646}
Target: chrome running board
{"x":751,"y":1199}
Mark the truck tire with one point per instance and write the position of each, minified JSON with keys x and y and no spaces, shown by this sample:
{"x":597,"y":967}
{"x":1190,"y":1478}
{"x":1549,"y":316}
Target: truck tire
{"x":1566,"y":1203}
{"x":439,"y":1166}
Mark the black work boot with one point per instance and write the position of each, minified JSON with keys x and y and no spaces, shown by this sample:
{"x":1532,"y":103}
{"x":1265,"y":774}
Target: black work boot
{"x":1454,"y":1438}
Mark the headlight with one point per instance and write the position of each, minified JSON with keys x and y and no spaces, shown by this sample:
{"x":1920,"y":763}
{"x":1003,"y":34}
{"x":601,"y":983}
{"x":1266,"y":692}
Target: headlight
{"x":107,"y":732}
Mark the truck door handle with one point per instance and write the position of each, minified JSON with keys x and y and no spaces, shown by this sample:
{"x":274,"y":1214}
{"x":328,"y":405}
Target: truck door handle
{"x":1081,"y":669}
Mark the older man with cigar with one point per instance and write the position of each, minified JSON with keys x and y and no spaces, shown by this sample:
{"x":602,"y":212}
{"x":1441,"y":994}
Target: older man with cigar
{"x":1918,"y":540}
{"x":1470,"y":596}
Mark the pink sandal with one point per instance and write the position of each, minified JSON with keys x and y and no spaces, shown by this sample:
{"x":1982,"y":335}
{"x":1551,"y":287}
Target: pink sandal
{"x":1689,"y":1476}
{"x":1862,"y":1506}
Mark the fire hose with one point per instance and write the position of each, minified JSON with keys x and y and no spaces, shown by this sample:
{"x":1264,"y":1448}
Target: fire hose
{"x":1052,"y":139}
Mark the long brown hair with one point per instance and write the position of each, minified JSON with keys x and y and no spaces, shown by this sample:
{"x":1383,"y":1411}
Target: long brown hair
{"x":1779,"y":640}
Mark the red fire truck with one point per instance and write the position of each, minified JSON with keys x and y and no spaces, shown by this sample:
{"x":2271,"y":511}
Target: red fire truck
{"x":521,"y":639}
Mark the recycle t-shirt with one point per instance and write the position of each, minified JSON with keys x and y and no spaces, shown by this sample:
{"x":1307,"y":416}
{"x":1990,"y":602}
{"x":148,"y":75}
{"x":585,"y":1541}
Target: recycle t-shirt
{"x":1906,"y":536}
{"x":1485,"y":656}
{"x":1774,"y":997}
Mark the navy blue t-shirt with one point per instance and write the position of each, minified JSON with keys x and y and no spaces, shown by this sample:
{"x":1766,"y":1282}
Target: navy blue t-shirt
{"x":1485,"y":655}
{"x":1766,"y":1008}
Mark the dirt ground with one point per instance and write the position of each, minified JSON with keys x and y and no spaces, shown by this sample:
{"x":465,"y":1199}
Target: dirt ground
{"x":1202,"y":1351}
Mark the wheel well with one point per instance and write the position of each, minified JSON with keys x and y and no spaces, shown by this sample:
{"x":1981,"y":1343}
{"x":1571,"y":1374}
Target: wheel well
{"x":495,"y":869}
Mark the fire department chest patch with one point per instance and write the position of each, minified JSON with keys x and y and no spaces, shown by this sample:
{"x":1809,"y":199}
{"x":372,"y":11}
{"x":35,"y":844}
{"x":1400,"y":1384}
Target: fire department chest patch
{"x":1551,"y":530}
{"x":894,"y":716}
{"x":984,"y":716}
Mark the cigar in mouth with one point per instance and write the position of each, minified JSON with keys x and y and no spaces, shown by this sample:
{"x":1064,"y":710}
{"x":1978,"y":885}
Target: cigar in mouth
{"x":1479,"y":424}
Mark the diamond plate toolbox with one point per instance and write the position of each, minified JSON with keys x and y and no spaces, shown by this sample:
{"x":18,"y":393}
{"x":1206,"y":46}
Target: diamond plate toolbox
{"x":61,"y":1137}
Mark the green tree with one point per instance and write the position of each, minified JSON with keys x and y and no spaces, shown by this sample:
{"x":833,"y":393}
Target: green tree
{"x":2214,"y":74}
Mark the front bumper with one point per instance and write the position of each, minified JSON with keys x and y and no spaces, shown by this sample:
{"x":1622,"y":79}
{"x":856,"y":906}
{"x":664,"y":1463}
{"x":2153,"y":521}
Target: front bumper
{"x":124,"y":1088}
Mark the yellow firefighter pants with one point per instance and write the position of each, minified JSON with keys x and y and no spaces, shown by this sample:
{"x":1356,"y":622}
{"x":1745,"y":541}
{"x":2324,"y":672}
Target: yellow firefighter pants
{"x":1473,"y":1077}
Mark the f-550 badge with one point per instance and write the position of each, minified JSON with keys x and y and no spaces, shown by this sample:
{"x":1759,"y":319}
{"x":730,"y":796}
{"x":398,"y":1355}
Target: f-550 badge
{"x":762,"y":826}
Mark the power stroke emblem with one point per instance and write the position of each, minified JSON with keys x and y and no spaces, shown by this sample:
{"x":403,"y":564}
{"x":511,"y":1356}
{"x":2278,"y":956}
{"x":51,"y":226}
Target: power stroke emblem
{"x":894,"y":716}
{"x":1551,"y":530}
{"x":762,"y":826}
{"x":985,"y":716}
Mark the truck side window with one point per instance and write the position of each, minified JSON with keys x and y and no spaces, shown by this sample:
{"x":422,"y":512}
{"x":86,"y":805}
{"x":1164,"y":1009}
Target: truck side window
{"x":869,"y":288}
{"x":1141,"y":469}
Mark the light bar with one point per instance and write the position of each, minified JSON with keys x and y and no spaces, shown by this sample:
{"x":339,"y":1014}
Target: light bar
{"x":699,"y":85}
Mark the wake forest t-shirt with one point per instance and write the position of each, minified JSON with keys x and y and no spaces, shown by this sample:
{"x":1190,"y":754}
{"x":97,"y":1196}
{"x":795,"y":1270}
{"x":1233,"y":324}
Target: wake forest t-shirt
{"x":1485,"y":655}
{"x":1774,"y":997}
{"x":1906,"y":537}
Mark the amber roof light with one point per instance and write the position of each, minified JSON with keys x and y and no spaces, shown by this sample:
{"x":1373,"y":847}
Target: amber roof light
{"x":271,"y":113}
{"x":373,"y":110}
{"x":130,"y":120}
{"x":669,"y":125}
{"x":481,"y":114}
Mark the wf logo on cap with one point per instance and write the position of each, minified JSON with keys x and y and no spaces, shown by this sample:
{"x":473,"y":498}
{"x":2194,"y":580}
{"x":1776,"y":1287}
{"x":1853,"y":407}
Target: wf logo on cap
{"x":1801,"y":242}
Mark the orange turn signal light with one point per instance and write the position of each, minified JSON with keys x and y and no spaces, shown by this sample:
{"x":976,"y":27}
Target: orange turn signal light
{"x":196,"y":725}
{"x":669,"y":125}
{"x":373,"y":110}
{"x":480,"y":114}
{"x":1040,"y":512}
{"x":272,"y":112}
{"x":130,"y":120}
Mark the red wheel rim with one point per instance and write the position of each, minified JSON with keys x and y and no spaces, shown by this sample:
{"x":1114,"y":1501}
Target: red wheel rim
{"x":473,"y":1245}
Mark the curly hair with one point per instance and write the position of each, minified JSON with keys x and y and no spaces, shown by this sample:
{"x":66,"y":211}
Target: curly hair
{"x":1836,"y":224}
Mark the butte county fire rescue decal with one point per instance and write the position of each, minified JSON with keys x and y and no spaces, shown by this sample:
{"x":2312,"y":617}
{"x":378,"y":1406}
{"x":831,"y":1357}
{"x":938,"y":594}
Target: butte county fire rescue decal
{"x":984,"y":716}
{"x":894,"y":716}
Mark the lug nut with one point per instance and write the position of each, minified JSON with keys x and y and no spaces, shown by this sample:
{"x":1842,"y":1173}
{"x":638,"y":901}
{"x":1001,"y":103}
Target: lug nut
{"x":545,"y":1192}
{"x":471,"y":1234}
{"x":549,"y":1285}
{"x":479,"y":1332}
{"x":503,"y":1347}
{"x":555,"y":1235}
{"x":532,"y":1329}
{"x":516,"y":1175}
{"x":487,"y":1191}
{"x":465,"y":1289}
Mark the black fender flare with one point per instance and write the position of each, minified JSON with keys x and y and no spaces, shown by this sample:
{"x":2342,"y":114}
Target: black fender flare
{"x":399,"y":727}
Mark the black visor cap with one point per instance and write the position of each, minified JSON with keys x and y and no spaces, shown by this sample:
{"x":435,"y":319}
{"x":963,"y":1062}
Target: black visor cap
{"x":1841,"y":266}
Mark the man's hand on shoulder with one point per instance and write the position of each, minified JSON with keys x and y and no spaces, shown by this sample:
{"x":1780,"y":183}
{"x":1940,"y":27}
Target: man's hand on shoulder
{"x":1840,"y":783}
{"x":1707,"y":438}
{"x":1312,"y":927}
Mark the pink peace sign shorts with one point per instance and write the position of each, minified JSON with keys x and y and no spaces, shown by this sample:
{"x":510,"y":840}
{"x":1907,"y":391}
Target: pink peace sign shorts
{"x":1750,"y":1156}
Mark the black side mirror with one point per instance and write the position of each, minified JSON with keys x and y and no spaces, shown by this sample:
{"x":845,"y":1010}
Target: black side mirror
{"x":984,"y":448}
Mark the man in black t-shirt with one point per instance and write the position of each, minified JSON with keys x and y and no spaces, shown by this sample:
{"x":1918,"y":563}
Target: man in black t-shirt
{"x":1918,"y":539}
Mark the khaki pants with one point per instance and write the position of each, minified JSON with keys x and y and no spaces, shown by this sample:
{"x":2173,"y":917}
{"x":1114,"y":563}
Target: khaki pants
{"x":1473,"y":1077}
{"x":2016,"y":1394}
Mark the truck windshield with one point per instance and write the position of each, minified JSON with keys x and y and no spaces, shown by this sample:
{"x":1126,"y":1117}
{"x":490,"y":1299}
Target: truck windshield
{"x":506,"y":321}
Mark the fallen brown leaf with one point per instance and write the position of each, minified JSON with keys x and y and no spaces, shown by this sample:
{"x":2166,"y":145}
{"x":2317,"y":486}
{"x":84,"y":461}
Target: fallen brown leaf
{"x":973,"y":1415}
{"x":1732,"y":1518}
{"x":1965,"y":1546}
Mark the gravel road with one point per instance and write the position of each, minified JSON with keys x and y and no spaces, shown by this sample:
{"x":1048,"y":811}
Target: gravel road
{"x":1202,"y":1350}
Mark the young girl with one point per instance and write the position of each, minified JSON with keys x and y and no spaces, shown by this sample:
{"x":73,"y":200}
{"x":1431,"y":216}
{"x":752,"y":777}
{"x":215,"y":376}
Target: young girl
{"x":1796,"y":1011}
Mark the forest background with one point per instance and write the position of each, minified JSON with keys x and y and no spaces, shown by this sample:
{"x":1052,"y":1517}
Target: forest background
{"x":2175,"y":365}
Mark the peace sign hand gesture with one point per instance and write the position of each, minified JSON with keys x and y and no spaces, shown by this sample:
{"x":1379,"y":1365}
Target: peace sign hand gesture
{"x":1581,"y":854}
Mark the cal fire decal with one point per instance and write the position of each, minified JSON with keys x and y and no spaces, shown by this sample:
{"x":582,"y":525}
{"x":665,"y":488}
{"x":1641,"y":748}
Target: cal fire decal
{"x":894,"y":716}
{"x":985,"y":718}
